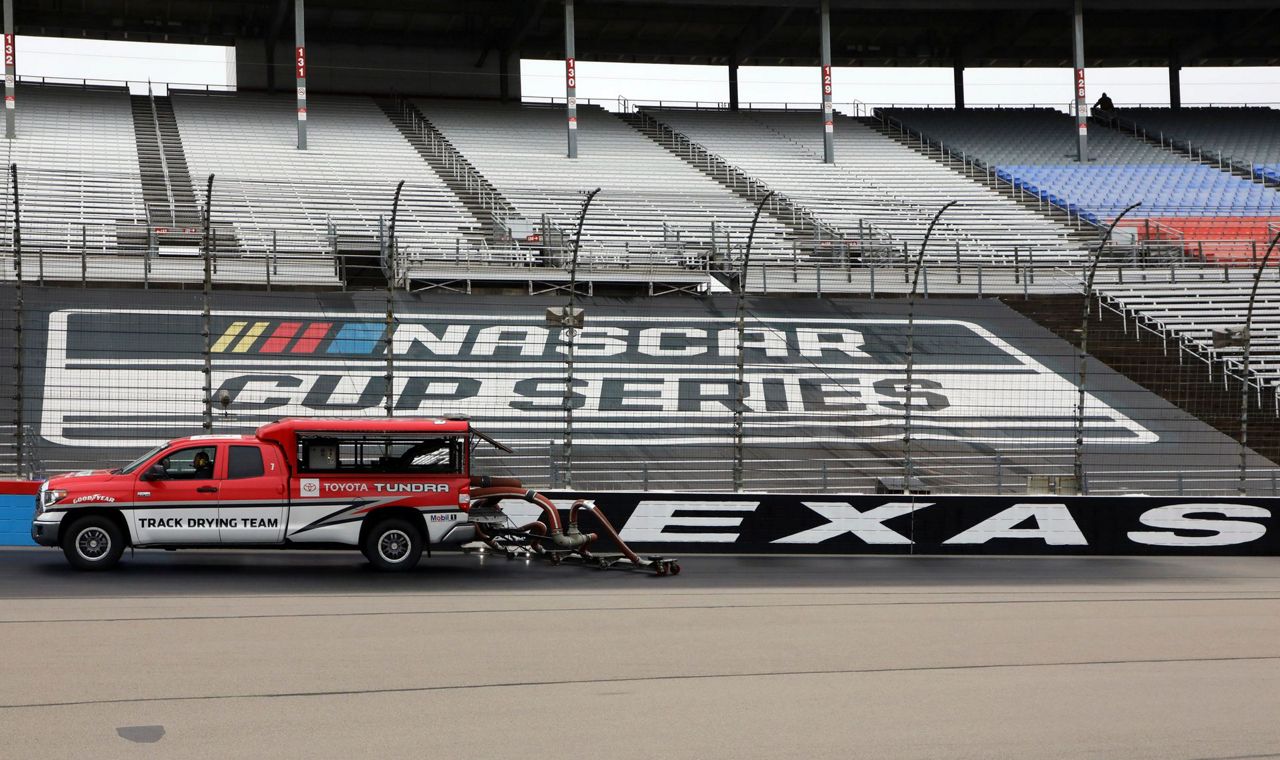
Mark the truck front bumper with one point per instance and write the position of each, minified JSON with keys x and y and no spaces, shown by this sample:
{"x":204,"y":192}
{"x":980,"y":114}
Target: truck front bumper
{"x":44,"y":529}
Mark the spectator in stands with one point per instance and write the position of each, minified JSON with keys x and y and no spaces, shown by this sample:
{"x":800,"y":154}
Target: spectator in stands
{"x":1104,"y":109}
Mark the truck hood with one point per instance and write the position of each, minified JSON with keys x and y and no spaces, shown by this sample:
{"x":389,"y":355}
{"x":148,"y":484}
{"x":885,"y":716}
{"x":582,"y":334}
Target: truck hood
{"x":80,"y":480}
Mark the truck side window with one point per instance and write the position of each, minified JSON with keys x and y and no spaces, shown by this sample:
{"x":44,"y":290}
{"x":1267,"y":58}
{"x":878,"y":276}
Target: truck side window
{"x":244,"y":462}
{"x":382,"y":455}
{"x":190,"y":464}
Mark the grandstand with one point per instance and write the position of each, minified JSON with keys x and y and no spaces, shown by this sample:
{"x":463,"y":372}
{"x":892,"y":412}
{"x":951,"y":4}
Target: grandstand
{"x":78,"y":166}
{"x":1213,"y":213}
{"x":335,"y":196}
{"x":112,"y":191}
{"x":1244,"y":138}
{"x":651,"y":203}
{"x":1189,"y":308}
{"x":876,"y":186}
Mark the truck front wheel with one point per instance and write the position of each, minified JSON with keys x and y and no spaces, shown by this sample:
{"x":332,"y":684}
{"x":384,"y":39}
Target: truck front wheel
{"x":93,"y":543}
{"x":393,"y":545}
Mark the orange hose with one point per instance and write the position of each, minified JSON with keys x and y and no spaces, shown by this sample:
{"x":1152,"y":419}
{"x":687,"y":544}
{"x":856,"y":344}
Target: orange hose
{"x":498,"y":493}
{"x":608,"y":527}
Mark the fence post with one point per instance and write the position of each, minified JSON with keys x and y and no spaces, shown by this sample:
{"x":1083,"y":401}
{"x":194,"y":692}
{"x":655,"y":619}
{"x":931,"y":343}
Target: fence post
{"x":739,"y":407}
{"x":570,"y":325}
{"x":1078,"y":463}
{"x":908,"y":464}
{"x":206,"y":327}
{"x":18,"y":399}
{"x":1244,"y":373}
{"x":389,"y":269}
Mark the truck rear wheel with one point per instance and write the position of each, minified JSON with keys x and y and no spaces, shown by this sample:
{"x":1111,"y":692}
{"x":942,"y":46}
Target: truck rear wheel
{"x":393,"y":545}
{"x":93,"y":543}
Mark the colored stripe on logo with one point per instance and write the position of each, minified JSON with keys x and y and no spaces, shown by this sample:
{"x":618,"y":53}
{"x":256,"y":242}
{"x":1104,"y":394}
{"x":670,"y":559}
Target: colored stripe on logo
{"x":281,"y":337}
{"x":357,"y":338}
{"x":311,"y":337}
{"x":228,"y":336}
{"x":250,"y":337}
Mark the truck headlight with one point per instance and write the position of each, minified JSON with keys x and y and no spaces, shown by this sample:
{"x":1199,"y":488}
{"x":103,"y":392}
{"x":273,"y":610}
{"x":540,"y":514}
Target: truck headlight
{"x":50,"y":497}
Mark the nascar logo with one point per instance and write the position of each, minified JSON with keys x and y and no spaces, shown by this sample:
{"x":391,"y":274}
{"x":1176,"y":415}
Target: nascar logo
{"x":289,"y":337}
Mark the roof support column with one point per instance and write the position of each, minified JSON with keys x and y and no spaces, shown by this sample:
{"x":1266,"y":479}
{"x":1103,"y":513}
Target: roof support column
{"x":300,"y":69}
{"x":957,"y":73}
{"x":733,"y":83}
{"x":504,"y":76}
{"x":1082,"y":105}
{"x":10,"y":72}
{"x":828,"y":122}
{"x":571,"y":79}
{"x":1175,"y":84}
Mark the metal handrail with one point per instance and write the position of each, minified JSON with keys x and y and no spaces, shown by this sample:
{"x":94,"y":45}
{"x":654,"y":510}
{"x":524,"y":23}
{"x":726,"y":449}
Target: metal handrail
{"x":780,"y":205}
{"x":164,"y":162}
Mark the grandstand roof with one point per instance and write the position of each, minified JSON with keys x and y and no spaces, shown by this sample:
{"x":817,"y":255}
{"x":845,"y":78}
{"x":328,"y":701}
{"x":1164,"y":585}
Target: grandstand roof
{"x":757,"y":32}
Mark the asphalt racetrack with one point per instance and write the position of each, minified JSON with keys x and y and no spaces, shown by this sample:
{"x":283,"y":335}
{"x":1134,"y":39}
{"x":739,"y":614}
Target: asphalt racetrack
{"x":311,"y":655}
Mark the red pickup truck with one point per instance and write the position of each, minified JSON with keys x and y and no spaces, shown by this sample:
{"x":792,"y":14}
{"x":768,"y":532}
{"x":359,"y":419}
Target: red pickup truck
{"x":389,"y":487}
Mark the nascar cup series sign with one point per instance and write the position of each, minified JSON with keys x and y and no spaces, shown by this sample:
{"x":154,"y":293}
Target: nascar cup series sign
{"x":123,"y":377}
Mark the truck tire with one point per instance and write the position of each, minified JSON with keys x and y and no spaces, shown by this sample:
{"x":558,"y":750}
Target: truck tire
{"x":393,"y":545}
{"x":93,"y":543}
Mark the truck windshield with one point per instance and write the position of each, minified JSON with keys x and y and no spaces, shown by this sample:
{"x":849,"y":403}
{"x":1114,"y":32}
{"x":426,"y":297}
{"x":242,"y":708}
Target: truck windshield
{"x":135,"y":464}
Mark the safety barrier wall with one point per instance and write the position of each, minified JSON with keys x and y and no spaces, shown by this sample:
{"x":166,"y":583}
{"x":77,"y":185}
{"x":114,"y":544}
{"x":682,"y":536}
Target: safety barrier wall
{"x":906,"y":525}
{"x":692,"y":523}
{"x":17,"y":505}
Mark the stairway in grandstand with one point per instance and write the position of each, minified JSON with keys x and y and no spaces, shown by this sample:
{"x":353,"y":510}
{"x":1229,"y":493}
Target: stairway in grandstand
{"x":317,"y":207}
{"x":875,"y":183}
{"x":1183,"y":202}
{"x":167,"y":189}
{"x":804,"y":225}
{"x":653,"y":209}
{"x":166,"y":181}
{"x":469,"y":185}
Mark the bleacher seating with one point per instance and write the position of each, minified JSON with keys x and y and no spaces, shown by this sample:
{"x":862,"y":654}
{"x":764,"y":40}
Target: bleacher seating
{"x":1035,"y":149}
{"x":875,"y":181}
{"x":77,"y":167}
{"x":339,"y":188}
{"x":651,"y":204}
{"x":1248,"y":137}
{"x":1191,"y":304}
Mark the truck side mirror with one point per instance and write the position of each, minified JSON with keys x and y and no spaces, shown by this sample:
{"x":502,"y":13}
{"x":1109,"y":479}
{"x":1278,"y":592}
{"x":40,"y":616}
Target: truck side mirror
{"x":155,"y":472}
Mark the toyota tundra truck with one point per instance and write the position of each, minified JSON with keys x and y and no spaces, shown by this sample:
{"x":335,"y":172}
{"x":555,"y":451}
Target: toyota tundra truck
{"x":390,"y":487}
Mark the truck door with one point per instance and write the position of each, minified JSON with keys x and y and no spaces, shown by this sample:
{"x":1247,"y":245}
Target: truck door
{"x":252,"y":495}
{"x":176,"y":497}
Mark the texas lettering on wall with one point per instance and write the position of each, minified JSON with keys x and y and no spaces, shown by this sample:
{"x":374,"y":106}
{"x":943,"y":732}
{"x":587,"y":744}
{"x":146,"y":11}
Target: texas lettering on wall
{"x":772,"y":523}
